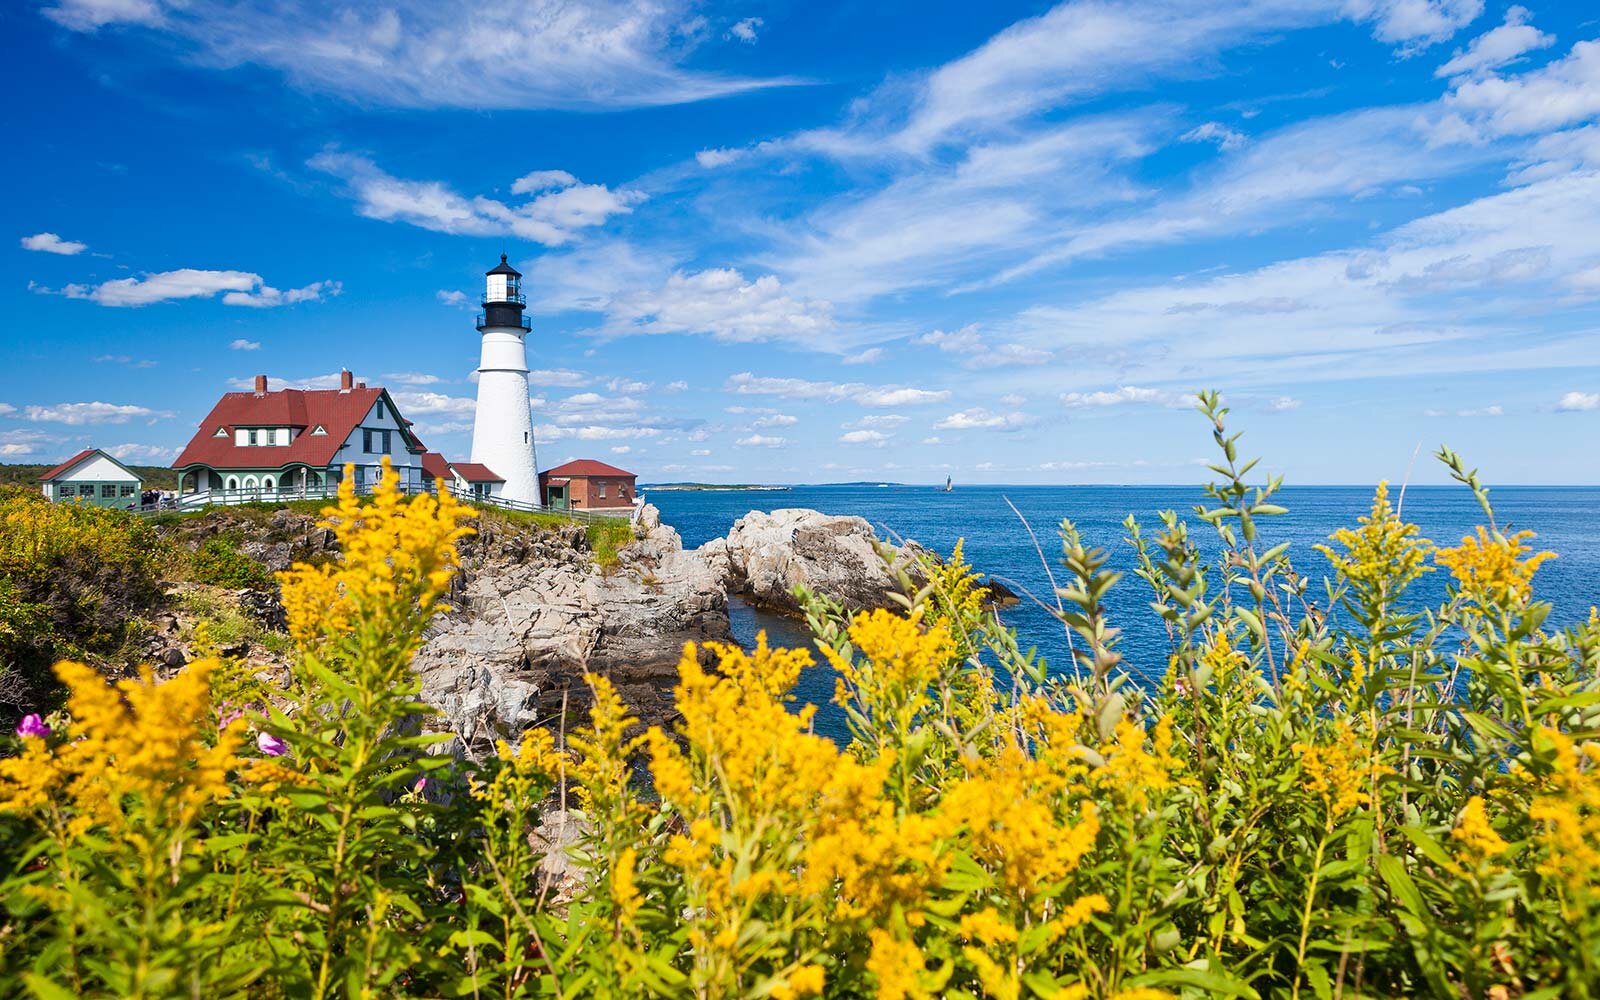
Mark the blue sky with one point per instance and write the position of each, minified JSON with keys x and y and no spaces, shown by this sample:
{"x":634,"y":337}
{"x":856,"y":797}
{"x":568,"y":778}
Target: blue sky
{"x":773,"y":241}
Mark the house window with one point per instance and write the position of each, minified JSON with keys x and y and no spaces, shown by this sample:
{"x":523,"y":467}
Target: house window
{"x":249,"y":482}
{"x":375,"y":442}
{"x":126,"y":491}
{"x":267,"y":482}
{"x":361,"y":475}
{"x":380,"y":409}
{"x":602,"y":487}
{"x":233,"y":483}
{"x":108,"y":492}
{"x":222,"y":432}
{"x":319,"y":431}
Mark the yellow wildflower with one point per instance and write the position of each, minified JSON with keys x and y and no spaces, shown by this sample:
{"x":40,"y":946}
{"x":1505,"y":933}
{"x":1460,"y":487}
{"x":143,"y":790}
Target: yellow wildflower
{"x":1339,"y":772}
{"x":1490,"y":568}
{"x":1383,"y":555}
{"x":624,"y":892}
{"x":897,"y":965}
{"x":1473,"y":832}
{"x":806,"y":981}
{"x":1566,"y":813}
{"x":987,"y":926}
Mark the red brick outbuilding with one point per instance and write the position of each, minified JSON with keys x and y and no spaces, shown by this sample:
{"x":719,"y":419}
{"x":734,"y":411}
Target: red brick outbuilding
{"x":586,"y":484}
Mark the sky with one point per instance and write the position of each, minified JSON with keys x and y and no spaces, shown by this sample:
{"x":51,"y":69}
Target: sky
{"x":772,"y":241}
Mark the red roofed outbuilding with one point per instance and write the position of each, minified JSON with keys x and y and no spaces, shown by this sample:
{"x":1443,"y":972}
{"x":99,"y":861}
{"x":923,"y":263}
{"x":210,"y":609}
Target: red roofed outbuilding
{"x":586,"y":484}
{"x":296,"y":441}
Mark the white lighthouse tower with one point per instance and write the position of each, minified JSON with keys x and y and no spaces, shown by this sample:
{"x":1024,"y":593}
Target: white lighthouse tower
{"x":502,"y":431}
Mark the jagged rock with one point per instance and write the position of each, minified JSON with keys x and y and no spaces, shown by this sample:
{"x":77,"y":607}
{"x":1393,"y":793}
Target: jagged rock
{"x":532,"y":614}
{"x":766,"y":556}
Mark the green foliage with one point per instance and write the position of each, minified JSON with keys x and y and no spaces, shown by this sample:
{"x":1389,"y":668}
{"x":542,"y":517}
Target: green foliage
{"x":219,"y":562}
{"x":73,"y":579}
{"x":1333,"y":792}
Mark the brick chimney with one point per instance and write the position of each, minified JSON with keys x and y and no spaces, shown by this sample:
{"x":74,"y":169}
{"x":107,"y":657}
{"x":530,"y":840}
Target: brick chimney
{"x":346,"y":380}
{"x":261,"y":385}
{"x":361,"y":385}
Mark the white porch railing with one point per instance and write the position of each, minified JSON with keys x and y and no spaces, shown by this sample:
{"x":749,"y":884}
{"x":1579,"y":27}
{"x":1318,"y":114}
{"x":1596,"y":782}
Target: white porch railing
{"x":233,"y":498}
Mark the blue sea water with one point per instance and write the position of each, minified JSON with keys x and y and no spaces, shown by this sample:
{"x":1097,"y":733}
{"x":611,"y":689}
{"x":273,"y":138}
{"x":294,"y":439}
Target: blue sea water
{"x":1567,"y":520}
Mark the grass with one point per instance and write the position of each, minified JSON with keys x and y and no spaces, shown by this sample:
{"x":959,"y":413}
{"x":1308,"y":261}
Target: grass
{"x":226,"y":625}
{"x":606,"y":536}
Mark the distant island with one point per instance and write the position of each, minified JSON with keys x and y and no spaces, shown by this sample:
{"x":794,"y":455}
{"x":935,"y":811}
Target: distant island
{"x":745,"y":487}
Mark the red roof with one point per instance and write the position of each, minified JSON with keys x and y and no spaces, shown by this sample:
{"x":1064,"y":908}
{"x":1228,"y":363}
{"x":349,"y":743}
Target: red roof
{"x":337,"y":412}
{"x":69,"y":463}
{"x":435,"y":465}
{"x":587,"y":467}
{"x":474,"y":472}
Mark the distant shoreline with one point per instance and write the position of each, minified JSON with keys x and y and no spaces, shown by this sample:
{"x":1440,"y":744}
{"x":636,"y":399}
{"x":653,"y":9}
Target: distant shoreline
{"x":713,"y":487}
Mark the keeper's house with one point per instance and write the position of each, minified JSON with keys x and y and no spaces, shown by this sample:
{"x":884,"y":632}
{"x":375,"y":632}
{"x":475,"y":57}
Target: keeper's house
{"x":296,"y":442}
{"x":92,"y":477}
{"x":588,"y":485}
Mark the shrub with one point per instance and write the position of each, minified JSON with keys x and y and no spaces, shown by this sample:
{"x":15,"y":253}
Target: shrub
{"x":1328,"y":794}
{"x":72,"y":579}
{"x":218,"y":561}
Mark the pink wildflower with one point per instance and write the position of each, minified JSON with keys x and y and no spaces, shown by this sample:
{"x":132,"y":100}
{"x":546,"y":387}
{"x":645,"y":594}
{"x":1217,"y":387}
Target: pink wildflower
{"x":271,"y":745}
{"x":32,"y":725}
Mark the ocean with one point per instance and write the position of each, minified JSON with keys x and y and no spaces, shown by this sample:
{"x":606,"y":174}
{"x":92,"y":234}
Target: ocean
{"x":1565,"y":518}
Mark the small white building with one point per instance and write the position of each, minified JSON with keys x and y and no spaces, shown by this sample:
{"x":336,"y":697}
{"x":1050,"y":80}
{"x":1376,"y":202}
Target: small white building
{"x":92,"y":477}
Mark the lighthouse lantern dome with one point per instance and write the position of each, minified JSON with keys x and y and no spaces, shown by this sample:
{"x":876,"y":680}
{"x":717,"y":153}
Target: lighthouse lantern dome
{"x":504,"y":284}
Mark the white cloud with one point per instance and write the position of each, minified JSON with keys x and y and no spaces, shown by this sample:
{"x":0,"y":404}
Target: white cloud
{"x":747,"y":384}
{"x":978,"y":418}
{"x":745,"y":30}
{"x":241,"y":288}
{"x":879,"y":420}
{"x":592,"y":432}
{"x":126,"y":359}
{"x":761,"y":441}
{"x":1496,"y":47}
{"x":1013,"y":399}
{"x":428,"y":404}
{"x":621,"y":449}
{"x":1556,"y":95}
{"x":711,"y":158}
{"x":775,"y":420}
{"x":553,"y":218}
{"x":51,"y":243}
{"x":678,"y":386}
{"x":12,"y":449}
{"x":1125,"y":394}
{"x":267,"y":297}
{"x":1574,"y":402}
{"x":244,"y":345}
{"x":963,"y":341}
{"x":411,"y":378}
{"x":1414,"y":24}
{"x":1283,"y":404}
{"x":627,"y":385}
{"x":720,"y":302}
{"x":875,"y":438}
{"x":80,"y":414}
{"x":542,"y":180}
{"x":1007,"y":355}
{"x":1225,"y":137}
{"x":6,"y":408}
{"x":428,"y":53}
{"x":865,"y":357}
{"x":143,"y":454}
{"x":451,"y":298}
{"x":560,"y":378}
{"x":933,"y":440}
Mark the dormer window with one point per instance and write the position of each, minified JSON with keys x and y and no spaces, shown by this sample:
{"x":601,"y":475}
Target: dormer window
{"x":319,"y":431}
{"x":222,"y":432}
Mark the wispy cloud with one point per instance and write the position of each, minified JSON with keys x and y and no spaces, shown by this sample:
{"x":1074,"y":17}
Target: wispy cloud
{"x":80,"y":414}
{"x":238,"y":288}
{"x":560,"y":209}
{"x":443,"y":53}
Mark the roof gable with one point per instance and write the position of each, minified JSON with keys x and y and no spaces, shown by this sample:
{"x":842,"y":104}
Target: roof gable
{"x":82,"y":457}
{"x":587,"y":467}
{"x":339,"y":412}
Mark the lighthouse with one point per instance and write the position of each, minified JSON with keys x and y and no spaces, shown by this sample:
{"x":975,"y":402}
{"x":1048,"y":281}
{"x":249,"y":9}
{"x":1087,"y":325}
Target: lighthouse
{"x":502,"y":430}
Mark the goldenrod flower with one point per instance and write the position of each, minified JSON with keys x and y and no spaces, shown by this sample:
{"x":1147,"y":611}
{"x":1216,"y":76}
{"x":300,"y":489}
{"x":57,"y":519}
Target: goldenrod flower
{"x":1490,"y":568}
{"x":1472,"y":831}
{"x":1339,"y":772}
